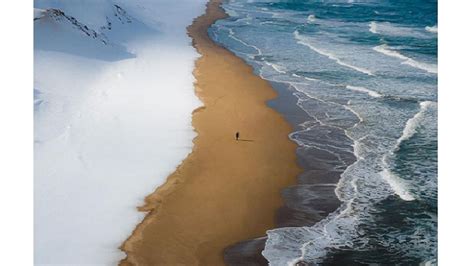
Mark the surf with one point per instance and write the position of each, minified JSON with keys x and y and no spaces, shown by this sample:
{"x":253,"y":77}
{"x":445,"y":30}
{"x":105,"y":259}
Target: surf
{"x":398,"y":184}
{"x":432,"y":29}
{"x":386,"y":50}
{"x":364,"y":90}
{"x":303,"y":41}
{"x":413,"y":123}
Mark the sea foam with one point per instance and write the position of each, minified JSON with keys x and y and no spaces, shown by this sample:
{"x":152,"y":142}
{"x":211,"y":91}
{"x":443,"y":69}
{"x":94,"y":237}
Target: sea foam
{"x":413,"y":123}
{"x":386,"y":50}
{"x":398,"y":185}
{"x":232,"y":35}
{"x":311,"y":19}
{"x":391,"y":29}
{"x":276,"y":67}
{"x":373,"y":27}
{"x":303,"y":41}
{"x":433,"y":29}
{"x":364,"y":90}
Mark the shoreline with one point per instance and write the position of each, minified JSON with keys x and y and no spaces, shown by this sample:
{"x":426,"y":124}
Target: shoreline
{"x":317,"y":181}
{"x":224,"y":191}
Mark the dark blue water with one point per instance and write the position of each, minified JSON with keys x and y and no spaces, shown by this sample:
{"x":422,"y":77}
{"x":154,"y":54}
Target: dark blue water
{"x":365,"y":72}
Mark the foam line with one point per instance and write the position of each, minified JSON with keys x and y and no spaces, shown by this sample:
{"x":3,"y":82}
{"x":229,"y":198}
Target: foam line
{"x":386,"y":50}
{"x":413,"y":123}
{"x":301,"y":40}
{"x":398,"y":185}
{"x":277,"y":68}
{"x":364,"y":90}
{"x":432,"y":29}
{"x":232,"y":35}
{"x":373,"y":27}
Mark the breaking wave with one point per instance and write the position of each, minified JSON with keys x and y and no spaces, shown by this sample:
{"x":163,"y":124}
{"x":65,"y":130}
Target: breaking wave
{"x":432,"y":29}
{"x":414,"y":122}
{"x":303,"y":41}
{"x":365,"y":90}
{"x":399,"y":185}
{"x":386,"y":50}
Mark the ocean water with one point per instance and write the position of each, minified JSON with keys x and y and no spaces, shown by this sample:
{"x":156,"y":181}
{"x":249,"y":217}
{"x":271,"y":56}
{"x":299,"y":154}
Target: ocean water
{"x":365,"y":73}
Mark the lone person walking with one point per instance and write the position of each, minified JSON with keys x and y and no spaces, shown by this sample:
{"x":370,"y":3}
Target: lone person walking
{"x":237,"y":135}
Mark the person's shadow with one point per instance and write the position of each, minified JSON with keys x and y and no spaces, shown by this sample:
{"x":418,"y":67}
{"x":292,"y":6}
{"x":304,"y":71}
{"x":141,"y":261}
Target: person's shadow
{"x":251,"y":140}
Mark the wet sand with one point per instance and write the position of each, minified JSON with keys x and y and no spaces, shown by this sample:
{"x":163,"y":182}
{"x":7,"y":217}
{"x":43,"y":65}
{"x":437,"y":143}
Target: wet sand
{"x":225,"y":191}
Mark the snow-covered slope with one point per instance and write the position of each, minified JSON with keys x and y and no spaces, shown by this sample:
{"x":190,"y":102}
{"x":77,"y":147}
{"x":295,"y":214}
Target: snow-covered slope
{"x":113,"y":96}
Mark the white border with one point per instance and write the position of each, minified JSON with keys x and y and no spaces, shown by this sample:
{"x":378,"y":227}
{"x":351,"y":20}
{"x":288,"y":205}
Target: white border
{"x":16,"y":133}
{"x":456,"y":124}
{"x":456,"y":132}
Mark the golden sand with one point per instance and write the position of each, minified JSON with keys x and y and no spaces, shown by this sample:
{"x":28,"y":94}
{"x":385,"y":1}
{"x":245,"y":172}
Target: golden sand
{"x":225,"y":191}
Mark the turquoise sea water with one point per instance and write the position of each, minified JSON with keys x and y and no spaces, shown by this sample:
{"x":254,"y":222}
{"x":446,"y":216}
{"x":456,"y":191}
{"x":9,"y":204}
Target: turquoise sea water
{"x":368,"y":70}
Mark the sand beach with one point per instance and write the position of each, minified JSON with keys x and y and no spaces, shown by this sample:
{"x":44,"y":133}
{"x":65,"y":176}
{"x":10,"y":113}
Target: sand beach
{"x":225,"y":191}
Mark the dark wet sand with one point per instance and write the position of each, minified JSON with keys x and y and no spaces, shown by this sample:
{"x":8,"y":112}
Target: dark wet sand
{"x":313,"y":197}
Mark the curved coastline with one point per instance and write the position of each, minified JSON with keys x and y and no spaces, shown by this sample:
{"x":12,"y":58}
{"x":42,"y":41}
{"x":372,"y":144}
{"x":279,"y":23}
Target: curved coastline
{"x":225,"y":190}
{"x":314,"y":196}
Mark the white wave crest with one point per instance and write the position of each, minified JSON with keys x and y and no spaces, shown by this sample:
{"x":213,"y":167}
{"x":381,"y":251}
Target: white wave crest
{"x":432,"y":29}
{"x":386,"y":50}
{"x":373,"y":27}
{"x":276,"y":67}
{"x":365,"y":90}
{"x":391,"y":29}
{"x":431,"y":262}
{"x":414,"y":122}
{"x":303,"y":41}
{"x":398,"y":185}
{"x":311,"y":19}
